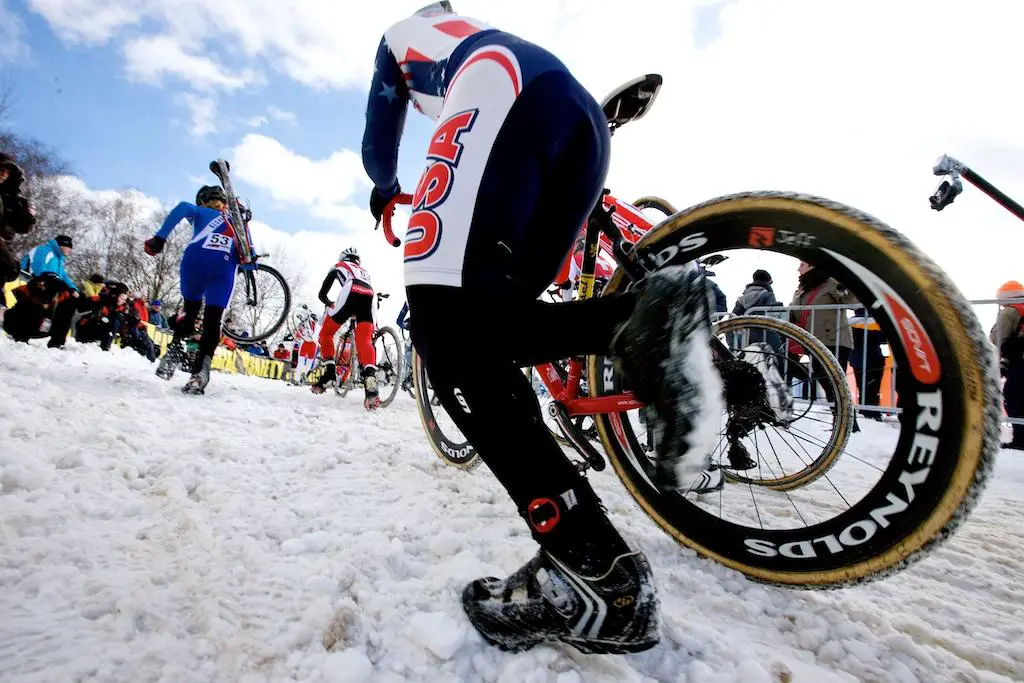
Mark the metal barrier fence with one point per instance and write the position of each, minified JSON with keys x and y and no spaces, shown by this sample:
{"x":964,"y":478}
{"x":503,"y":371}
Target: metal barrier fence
{"x":869,"y":336}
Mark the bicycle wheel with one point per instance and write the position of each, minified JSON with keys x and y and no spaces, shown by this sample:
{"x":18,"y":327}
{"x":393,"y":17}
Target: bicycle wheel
{"x":342,"y":368}
{"x":259,"y":304}
{"x":445,"y":438}
{"x":778,"y":435}
{"x":389,"y":364}
{"x":656,"y":203}
{"x":902,"y":499}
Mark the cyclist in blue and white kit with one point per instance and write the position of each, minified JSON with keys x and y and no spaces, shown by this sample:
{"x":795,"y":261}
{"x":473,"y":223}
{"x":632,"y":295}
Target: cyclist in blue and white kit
{"x":207,"y":274}
{"x":515,"y":166}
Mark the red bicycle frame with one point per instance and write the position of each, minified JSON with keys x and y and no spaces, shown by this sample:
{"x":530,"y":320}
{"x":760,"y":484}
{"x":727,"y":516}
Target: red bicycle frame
{"x":632,"y":225}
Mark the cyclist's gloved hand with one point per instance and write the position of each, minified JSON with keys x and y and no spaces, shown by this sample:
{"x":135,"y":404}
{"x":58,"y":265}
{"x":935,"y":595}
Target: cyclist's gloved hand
{"x":379,"y":200}
{"x":154,"y":245}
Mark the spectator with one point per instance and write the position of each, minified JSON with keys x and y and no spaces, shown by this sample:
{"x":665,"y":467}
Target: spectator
{"x":44,"y":307}
{"x":49,"y":257}
{"x":93,"y":285}
{"x":156,"y":316}
{"x":1008,"y":337}
{"x":867,"y":360}
{"x":282,"y":353}
{"x":759,"y":294}
{"x":717,"y":300}
{"x":140,"y":308}
{"x":16,"y":215}
{"x":104,"y":316}
{"x":830,"y":326}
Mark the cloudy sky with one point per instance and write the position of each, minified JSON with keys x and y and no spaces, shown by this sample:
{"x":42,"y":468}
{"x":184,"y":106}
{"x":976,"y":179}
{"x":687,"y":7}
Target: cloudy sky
{"x":848,"y":100}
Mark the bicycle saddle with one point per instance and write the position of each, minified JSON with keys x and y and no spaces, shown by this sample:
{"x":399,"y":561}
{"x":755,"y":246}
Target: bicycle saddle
{"x":631,"y":100}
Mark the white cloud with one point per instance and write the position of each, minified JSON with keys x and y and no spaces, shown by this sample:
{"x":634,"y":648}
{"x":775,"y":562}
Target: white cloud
{"x":280,"y":115}
{"x":150,"y":59}
{"x":88,"y":21}
{"x":12,"y":47}
{"x":203,"y":111}
{"x":326,"y":187}
{"x":256,"y":121}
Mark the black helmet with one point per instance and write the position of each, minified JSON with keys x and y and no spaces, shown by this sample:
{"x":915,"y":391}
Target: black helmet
{"x":208,"y":193}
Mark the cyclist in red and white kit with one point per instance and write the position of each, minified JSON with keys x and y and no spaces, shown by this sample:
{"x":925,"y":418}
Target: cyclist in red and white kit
{"x":354,"y":300}
{"x":514,"y":167}
{"x":307,"y":345}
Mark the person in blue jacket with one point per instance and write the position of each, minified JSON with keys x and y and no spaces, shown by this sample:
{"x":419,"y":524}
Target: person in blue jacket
{"x":208,"y":268}
{"x":49,"y":257}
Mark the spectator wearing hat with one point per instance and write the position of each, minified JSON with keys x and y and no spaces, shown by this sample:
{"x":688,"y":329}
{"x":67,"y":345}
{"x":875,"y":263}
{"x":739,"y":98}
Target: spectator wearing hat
{"x":156,"y":315}
{"x":16,"y":217}
{"x":1008,"y":337}
{"x":758,"y":295}
{"x":93,"y":285}
{"x":49,"y":257}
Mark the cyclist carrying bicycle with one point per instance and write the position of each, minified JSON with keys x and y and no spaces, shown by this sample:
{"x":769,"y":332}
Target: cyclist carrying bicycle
{"x":354,"y":300}
{"x":514,"y":168}
{"x":208,"y":268}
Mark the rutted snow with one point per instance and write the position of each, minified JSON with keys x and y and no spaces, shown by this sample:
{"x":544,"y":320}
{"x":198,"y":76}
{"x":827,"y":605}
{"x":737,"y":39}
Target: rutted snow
{"x":261,"y":533}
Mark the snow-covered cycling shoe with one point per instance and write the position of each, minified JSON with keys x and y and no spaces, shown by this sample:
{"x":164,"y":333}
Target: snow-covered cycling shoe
{"x":662,"y":350}
{"x":171,"y":360}
{"x":372,"y":400}
{"x":329,"y":375}
{"x":200,"y":378}
{"x":545,"y":601}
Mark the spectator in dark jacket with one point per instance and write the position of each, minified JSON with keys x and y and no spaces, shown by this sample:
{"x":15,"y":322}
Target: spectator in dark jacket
{"x":1008,"y":337}
{"x":107,"y":312}
{"x":756,"y":295}
{"x":16,"y":217}
{"x":44,"y":307}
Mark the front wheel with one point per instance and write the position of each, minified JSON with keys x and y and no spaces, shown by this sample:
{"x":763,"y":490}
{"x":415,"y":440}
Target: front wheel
{"x":445,"y":437}
{"x":912,"y":484}
{"x":389,"y":364}
{"x":259,"y":304}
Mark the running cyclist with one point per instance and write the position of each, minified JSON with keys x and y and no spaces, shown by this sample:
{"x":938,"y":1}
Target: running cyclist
{"x":207,"y":274}
{"x":514,"y":167}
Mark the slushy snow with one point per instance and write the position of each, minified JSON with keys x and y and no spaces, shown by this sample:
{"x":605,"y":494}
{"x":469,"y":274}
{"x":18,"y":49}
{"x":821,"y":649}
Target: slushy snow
{"x":261,"y":533}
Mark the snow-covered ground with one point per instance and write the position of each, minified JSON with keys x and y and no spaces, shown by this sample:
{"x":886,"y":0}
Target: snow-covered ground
{"x":261,"y":533}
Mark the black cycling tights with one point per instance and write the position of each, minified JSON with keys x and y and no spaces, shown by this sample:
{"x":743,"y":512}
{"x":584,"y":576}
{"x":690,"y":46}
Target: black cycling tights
{"x":473,"y":348}
{"x":211,"y":328}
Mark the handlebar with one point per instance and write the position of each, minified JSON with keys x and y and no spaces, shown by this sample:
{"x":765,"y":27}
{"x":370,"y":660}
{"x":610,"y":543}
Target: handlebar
{"x":389,"y":212}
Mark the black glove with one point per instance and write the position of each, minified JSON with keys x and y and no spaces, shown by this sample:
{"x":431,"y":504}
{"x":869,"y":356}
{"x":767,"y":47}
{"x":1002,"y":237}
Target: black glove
{"x":154,"y":245}
{"x":379,"y":200}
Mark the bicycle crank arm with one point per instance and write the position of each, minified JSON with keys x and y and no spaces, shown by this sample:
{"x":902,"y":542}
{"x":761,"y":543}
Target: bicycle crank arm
{"x":576,"y":437}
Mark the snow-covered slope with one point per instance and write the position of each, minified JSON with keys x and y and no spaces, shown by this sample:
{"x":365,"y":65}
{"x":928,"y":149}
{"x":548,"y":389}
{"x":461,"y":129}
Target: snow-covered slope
{"x":149,"y":536}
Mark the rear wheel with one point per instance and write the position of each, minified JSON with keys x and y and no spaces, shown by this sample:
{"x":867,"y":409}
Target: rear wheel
{"x":259,"y":304}
{"x":873,"y":514}
{"x":792,"y":440}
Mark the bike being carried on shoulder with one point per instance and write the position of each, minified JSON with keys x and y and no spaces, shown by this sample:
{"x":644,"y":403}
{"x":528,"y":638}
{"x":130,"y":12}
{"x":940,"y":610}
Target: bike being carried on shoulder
{"x":865,"y":518}
{"x":261,"y":299}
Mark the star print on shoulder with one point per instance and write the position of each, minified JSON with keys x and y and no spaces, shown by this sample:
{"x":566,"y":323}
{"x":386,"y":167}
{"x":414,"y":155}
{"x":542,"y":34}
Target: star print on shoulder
{"x":388,"y":91}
